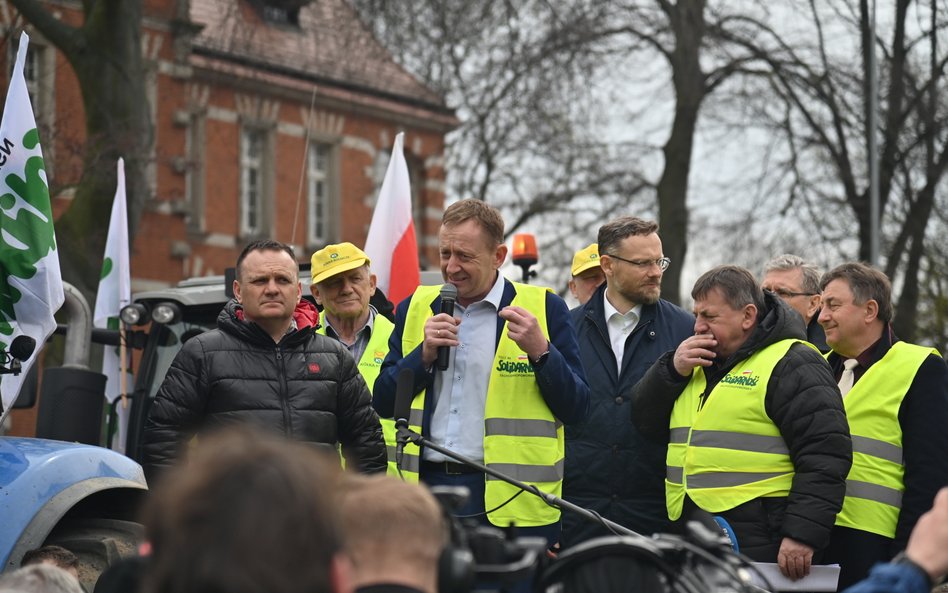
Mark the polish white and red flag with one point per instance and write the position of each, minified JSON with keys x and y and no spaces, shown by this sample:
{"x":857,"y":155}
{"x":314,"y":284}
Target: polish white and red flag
{"x":391,"y":244}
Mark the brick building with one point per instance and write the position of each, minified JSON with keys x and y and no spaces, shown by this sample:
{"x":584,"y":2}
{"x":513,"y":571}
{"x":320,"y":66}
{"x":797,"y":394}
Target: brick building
{"x":271,"y":120}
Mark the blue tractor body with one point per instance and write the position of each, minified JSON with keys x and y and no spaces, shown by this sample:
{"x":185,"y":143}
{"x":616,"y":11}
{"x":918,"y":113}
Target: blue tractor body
{"x":41,"y":481}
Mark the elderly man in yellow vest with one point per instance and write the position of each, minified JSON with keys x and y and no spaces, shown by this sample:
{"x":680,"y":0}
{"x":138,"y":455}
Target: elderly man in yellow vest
{"x":513,"y":377}
{"x":342,"y":284}
{"x":755,"y":428}
{"x":896,"y":398}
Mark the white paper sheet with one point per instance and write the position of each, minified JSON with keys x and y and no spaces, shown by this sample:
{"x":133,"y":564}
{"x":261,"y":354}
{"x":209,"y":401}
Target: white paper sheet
{"x":823,"y":577}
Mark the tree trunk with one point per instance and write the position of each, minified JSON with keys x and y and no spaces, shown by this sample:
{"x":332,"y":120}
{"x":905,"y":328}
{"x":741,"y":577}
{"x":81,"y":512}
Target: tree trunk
{"x":106,"y":55}
{"x":687,"y":20}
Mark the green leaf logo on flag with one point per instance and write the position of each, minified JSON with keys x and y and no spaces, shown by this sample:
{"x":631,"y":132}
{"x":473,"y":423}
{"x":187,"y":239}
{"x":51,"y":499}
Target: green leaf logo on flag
{"x":31,"y":228}
{"x":106,"y":268}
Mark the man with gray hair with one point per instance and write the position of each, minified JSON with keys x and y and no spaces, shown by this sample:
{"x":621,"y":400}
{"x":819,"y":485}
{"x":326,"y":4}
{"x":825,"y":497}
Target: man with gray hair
{"x":39,"y":578}
{"x":754,"y":423}
{"x":797,"y":282}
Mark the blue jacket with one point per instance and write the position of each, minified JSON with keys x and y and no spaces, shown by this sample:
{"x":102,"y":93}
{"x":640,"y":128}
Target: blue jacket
{"x":610,"y":467}
{"x":892,"y":578}
{"x":561,"y":380}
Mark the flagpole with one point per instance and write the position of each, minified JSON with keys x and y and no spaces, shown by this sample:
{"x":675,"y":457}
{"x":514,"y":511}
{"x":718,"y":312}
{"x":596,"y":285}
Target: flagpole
{"x":123,"y":367}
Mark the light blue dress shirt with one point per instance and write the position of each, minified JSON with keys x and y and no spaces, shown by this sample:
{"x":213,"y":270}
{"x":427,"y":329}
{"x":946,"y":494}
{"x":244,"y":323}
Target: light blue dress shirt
{"x":461,"y":391}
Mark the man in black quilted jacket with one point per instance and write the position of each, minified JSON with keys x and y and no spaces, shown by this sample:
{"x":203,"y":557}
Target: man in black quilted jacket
{"x":754,"y":423}
{"x":265,"y":365}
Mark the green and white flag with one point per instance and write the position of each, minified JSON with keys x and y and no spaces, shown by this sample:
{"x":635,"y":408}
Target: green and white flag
{"x":114,"y":293}
{"x":31,"y":287}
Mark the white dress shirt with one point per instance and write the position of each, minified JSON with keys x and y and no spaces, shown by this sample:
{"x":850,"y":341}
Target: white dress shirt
{"x":619,"y":326}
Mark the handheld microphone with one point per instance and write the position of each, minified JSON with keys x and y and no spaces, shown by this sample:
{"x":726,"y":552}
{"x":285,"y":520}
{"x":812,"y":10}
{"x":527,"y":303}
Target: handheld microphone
{"x":449,"y":295}
{"x":22,"y":348}
{"x":404,"y":393}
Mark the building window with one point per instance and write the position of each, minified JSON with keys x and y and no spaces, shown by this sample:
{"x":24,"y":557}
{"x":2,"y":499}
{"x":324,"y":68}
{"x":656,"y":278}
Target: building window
{"x":415,"y":181}
{"x":252,"y":146}
{"x":319,"y":194}
{"x":280,"y":12}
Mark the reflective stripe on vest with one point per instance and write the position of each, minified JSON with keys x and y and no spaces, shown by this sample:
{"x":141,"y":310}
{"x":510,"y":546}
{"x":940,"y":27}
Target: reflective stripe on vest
{"x":729,"y":451}
{"x":369,"y":366}
{"x":875,"y":483}
{"x":522,"y":438}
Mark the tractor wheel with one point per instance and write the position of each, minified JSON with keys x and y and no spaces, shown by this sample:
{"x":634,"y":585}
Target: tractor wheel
{"x":99,"y":543}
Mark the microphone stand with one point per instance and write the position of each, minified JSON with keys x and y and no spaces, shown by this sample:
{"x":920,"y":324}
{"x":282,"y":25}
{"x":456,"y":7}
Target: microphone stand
{"x":406,"y":434}
{"x":707,"y":547}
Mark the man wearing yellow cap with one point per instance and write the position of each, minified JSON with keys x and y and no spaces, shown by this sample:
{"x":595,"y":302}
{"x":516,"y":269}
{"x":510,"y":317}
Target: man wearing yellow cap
{"x":343,"y":284}
{"x":587,"y":274}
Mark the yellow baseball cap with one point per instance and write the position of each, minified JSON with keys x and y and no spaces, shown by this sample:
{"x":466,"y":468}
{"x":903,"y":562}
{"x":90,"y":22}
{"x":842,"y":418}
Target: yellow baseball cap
{"x":585,"y":259}
{"x":335,"y":259}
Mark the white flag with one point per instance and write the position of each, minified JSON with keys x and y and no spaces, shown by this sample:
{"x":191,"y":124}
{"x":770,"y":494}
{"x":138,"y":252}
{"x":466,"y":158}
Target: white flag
{"x":115,"y":292}
{"x":31,"y":287}
{"x":391,"y":244}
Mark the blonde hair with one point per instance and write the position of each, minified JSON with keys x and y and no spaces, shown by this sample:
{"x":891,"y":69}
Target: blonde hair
{"x":387,"y":520}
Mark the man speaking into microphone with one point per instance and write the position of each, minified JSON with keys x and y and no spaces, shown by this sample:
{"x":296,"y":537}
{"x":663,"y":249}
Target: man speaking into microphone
{"x":507,"y":378}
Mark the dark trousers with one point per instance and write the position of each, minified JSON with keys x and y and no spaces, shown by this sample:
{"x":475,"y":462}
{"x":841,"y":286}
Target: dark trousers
{"x":856,"y":552}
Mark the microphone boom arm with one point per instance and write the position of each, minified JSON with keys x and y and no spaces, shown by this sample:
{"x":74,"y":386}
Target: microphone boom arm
{"x":408,"y":435}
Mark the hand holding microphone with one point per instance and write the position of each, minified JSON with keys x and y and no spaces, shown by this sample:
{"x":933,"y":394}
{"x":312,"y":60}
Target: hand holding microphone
{"x":441,"y":331}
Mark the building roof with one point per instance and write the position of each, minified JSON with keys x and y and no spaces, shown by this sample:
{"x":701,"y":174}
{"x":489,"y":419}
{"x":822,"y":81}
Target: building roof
{"x":330,"y":45}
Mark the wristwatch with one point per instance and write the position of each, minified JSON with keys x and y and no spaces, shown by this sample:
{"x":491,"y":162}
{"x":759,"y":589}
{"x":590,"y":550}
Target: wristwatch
{"x":541,"y":360}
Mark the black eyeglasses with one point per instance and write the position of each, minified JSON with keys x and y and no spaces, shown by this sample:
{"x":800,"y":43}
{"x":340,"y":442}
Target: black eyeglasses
{"x":662,"y":262}
{"x":789,"y":294}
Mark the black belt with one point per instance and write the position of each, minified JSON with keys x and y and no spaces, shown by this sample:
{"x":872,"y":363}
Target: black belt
{"x":447,"y":467}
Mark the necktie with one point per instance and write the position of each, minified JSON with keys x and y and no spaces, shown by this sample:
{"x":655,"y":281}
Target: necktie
{"x":848,"y":377}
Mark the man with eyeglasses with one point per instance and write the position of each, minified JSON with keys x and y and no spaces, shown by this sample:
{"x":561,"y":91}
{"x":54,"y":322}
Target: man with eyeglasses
{"x":896,"y":400}
{"x":622,"y":329}
{"x":753,"y":421}
{"x":797,"y":282}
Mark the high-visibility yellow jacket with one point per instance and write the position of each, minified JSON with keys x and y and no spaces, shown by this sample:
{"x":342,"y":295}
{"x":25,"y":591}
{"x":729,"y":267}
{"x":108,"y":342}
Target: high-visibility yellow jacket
{"x":875,"y":483}
{"x":522,"y":438}
{"x":728,"y":451}
{"x":369,"y":366}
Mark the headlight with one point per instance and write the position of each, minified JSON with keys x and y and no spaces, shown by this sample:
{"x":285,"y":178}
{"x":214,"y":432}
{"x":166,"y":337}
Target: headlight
{"x":165,"y":313}
{"x":134,"y":314}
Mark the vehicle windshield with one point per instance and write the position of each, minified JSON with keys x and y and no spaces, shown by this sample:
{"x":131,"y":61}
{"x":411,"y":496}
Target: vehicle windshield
{"x":164,"y":343}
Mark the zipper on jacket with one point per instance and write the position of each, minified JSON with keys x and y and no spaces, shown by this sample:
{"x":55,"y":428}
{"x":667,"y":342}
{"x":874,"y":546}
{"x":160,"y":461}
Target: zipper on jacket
{"x":284,"y":393}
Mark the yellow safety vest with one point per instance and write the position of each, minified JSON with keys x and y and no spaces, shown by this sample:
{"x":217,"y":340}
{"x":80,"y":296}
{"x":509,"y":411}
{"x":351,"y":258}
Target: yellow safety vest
{"x":875,"y":483}
{"x":369,"y":366}
{"x":729,"y":451}
{"x":522,"y":438}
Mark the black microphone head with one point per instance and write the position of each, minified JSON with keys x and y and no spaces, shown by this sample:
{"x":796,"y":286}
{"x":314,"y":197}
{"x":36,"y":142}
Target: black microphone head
{"x":404,"y":393}
{"x":22,"y":348}
{"x":449,"y":292}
